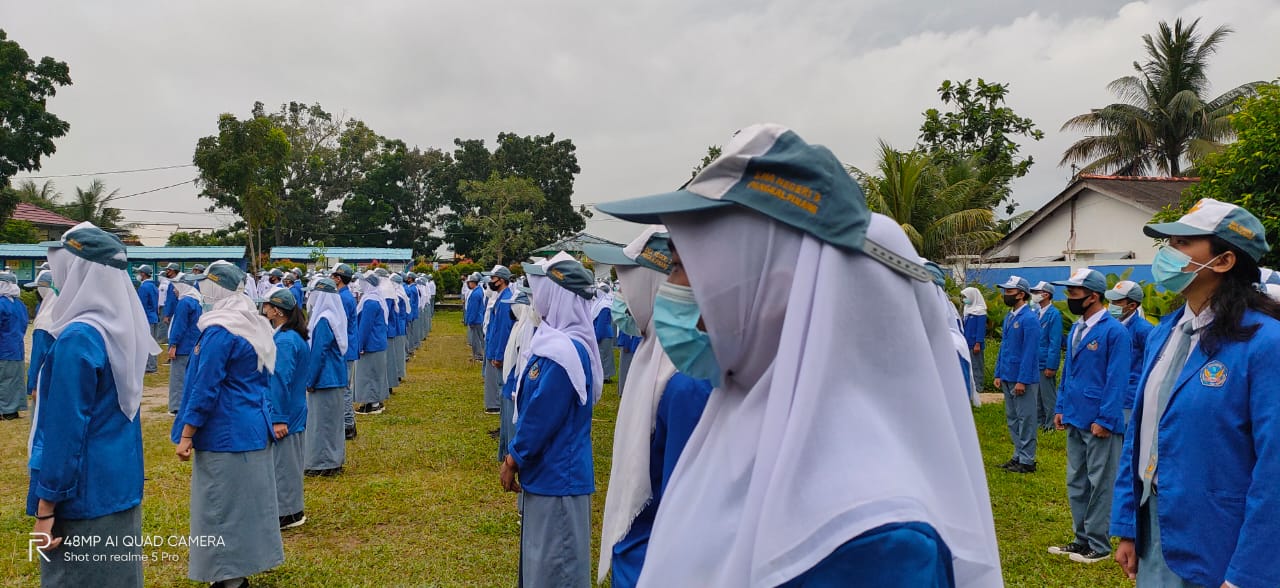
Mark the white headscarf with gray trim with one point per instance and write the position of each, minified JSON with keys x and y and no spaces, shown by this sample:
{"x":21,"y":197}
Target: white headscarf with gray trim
{"x":239,"y":316}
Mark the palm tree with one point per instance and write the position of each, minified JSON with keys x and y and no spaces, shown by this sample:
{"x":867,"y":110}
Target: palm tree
{"x":943,"y":208}
{"x":1163,"y":118}
{"x":45,"y":195}
{"x":90,"y":205}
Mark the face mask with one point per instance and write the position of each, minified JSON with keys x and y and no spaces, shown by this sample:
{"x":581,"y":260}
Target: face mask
{"x":1076,"y":305}
{"x":1037,"y":298}
{"x":675,"y":318}
{"x":1010,"y":300}
{"x":622,"y":318}
{"x":1168,"y":266}
{"x":1115,"y":310}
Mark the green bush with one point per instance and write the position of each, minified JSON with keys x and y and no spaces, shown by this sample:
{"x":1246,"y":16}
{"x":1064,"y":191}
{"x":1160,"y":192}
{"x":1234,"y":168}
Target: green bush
{"x":30,"y":299}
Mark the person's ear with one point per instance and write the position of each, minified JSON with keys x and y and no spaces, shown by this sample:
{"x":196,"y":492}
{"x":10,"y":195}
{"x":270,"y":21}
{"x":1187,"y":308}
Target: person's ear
{"x":1224,"y":262}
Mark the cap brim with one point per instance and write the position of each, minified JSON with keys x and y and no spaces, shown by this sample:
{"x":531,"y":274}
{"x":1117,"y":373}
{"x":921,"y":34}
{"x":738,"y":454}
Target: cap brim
{"x":607,"y":254}
{"x":1114,"y":296}
{"x":649,"y":209}
{"x":533,"y":269}
{"x":52,"y":244}
{"x":30,"y":285}
{"x":1174,"y":229}
{"x":1067,"y":284}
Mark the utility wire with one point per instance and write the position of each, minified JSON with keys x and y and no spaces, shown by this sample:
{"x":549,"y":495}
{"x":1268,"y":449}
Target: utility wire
{"x":107,"y":173}
{"x":110,"y":198}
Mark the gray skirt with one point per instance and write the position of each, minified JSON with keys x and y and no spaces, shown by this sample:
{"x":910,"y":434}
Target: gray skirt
{"x":402,"y":356}
{"x":371,"y":377}
{"x":13,"y":386}
{"x":288,"y":454}
{"x":606,"y":358}
{"x":395,"y":360}
{"x":326,"y":432}
{"x":555,"y":541}
{"x":624,"y":366}
{"x":117,"y":566}
{"x":177,"y":379}
{"x":235,"y":524}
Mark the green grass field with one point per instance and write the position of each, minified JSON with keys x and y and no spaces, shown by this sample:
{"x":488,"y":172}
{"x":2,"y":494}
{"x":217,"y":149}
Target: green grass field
{"x":420,"y":505}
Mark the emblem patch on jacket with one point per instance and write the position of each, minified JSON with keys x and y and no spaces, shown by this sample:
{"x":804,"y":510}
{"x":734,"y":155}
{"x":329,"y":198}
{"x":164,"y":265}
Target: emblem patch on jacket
{"x":534,"y":371}
{"x":1092,"y":346}
{"x":1213,"y":375}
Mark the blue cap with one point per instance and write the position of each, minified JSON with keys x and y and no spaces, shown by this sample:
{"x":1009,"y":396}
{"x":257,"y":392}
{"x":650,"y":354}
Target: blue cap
{"x":1045,"y":287}
{"x":501,"y":271}
{"x":533,"y":268}
{"x":1016,"y":283}
{"x":1125,"y":290}
{"x":397,"y":279}
{"x":8,"y":277}
{"x":381,"y":272}
{"x":1267,"y":275}
{"x":1210,"y":217}
{"x":572,"y":276}
{"x":199,"y":267}
{"x":192,"y":278}
{"x":145,"y":269}
{"x":411,"y":276}
{"x":43,"y":280}
{"x":172,"y":266}
{"x":1086,"y":278}
{"x":89,"y":242}
{"x":275,"y":273}
{"x":225,"y":274}
{"x":373,"y":279}
{"x":771,"y":170}
{"x":654,"y":253}
{"x":283,"y":298}
{"x":343,"y":270}
{"x":325,"y":285}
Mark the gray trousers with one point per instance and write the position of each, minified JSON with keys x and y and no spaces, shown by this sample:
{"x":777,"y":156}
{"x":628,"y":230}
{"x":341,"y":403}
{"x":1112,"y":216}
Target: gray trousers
{"x":1153,"y":571}
{"x":555,"y":542}
{"x":13,"y":392}
{"x":1091,"y":475}
{"x":76,"y":566}
{"x":1020,"y":416}
{"x":1048,"y":400}
{"x":158,"y":332}
{"x":177,"y":381}
{"x":492,"y":386}
{"x":349,"y":414}
{"x":475,"y":337}
{"x":978,"y":367}
{"x":606,"y":358}
{"x":624,"y":366}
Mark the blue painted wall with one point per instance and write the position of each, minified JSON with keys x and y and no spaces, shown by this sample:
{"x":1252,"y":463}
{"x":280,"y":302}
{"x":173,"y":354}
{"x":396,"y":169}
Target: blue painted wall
{"x":998,"y":275}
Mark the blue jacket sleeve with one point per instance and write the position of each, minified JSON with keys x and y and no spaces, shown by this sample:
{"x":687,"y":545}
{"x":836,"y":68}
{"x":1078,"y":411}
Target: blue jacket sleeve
{"x":1119,"y":351}
{"x":204,"y":381}
{"x":170,"y":300}
{"x":178,"y":328}
{"x":149,"y":297}
{"x":495,"y":340}
{"x":1124,"y":503}
{"x":365,"y":324}
{"x":1051,"y":337}
{"x":286,"y":368}
{"x":64,"y":416}
{"x":544,"y":413}
{"x":321,"y":338}
{"x":1253,"y":563}
{"x":975,"y":330}
{"x":1028,"y":372}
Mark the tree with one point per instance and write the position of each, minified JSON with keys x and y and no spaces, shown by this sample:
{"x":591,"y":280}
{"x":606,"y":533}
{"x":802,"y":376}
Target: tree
{"x":219,"y":238}
{"x":981,"y":131}
{"x":942,"y":209}
{"x":1163,"y":118}
{"x":397,"y":201}
{"x":508,"y":218}
{"x":44,"y":195}
{"x":242,"y":169}
{"x":90,"y":204}
{"x":27,"y":129}
{"x":713,"y":153}
{"x":1246,"y":172}
{"x":19,"y":231}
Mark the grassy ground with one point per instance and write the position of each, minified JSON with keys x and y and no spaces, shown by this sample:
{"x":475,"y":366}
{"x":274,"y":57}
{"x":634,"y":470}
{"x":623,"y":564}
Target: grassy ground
{"x":419,"y":504}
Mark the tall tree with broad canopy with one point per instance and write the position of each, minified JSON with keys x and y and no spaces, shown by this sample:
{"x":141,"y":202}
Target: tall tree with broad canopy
{"x":27,"y":128}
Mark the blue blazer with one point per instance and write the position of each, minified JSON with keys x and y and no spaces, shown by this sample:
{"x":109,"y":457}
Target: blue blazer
{"x":1019,"y":349}
{"x":1139,"y":329}
{"x":149,"y":296}
{"x":353,"y":333}
{"x":1095,"y":378}
{"x":1219,"y":460}
{"x":975,"y":330}
{"x":1050,"y":354}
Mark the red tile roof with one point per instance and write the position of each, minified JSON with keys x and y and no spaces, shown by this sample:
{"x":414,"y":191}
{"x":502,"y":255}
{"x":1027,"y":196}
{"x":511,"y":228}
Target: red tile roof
{"x":39,"y":216}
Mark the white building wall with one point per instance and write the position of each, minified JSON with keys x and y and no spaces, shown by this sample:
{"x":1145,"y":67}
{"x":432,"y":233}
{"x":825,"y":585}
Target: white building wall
{"x":1102,"y":224}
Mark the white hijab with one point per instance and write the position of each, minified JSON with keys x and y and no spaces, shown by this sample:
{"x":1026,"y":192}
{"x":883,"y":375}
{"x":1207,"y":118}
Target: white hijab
{"x":103,"y":298}
{"x":369,"y":290}
{"x":10,"y":290}
{"x":184,"y":290}
{"x":978,"y":306}
{"x":602,"y":301}
{"x":44,"y":316}
{"x":821,"y":432}
{"x":565,"y":319}
{"x":516,"y":355}
{"x":327,"y":305}
{"x":239,"y":316}
{"x":629,"y":486}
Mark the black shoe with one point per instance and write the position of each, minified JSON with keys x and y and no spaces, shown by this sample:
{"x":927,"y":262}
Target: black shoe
{"x":1023,"y":468}
{"x":1069,"y":549}
{"x":1008,"y":464}
{"x":1090,"y":556}
{"x":494,"y":433}
{"x":491,"y":411}
{"x":376,"y":408}
{"x":294,"y":520}
{"x":351,"y":433}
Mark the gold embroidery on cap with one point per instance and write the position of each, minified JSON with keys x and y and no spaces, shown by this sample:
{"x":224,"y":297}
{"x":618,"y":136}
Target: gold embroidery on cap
{"x":76,"y":244}
{"x":800,"y":196}
{"x":1237,"y":227}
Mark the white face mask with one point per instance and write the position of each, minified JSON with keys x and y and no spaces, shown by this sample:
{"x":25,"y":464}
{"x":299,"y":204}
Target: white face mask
{"x":1037,"y":298}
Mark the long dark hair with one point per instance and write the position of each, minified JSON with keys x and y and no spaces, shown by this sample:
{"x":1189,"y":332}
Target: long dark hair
{"x":294,"y":320}
{"x":1237,"y":292}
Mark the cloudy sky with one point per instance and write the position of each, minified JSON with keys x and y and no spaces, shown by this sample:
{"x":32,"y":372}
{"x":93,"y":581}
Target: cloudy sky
{"x":640,"y":87}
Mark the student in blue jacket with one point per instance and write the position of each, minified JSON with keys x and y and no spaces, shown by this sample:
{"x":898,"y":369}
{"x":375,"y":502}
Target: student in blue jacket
{"x":184,"y":333}
{"x":13,"y":332}
{"x":288,"y":399}
{"x":1050,"y":354}
{"x":224,"y":426}
{"x":149,"y":295}
{"x":1125,"y":305}
{"x":974,"y":326}
{"x":342,"y":276}
{"x":495,"y":339}
{"x":41,"y":340}
{"x":1094,"y":383}
{"x":326,"y":380}
{"x":170,"y":294}
{"x":373,"y":317}
{"x":1018,"y":374}
{"x":86,"y":442}
{"x":473,"y":317}
{"x":606,"y":336}
{"x":550,"y":451}
{"x":1197,"y":497}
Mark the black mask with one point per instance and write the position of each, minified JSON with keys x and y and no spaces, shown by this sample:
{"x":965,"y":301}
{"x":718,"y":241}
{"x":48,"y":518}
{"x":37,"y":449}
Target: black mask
{"x":1010,"y":300}
{"x":493,"y":286}
{"x":1077,"y":305}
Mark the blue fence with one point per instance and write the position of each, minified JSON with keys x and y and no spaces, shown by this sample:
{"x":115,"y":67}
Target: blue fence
{"x":993,"y":276}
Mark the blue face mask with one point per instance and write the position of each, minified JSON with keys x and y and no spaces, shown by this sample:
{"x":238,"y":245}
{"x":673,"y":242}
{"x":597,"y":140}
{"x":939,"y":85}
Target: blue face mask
{"x":1168,"y":269}
{"x":1115,"y":310}
{"x":675,"y":317}
{"x":622,"y":317}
